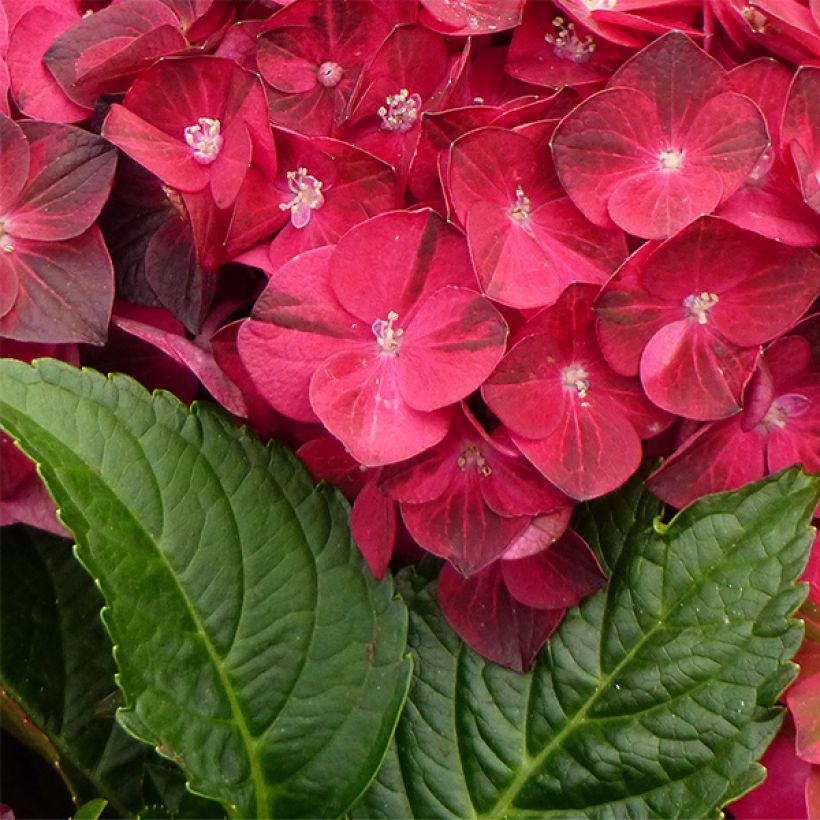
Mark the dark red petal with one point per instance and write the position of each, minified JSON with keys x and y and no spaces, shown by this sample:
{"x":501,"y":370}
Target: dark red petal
{"x":356,"y":395}
{"x":14,"y":163}
{"x":471,"y":17}
{"x":514,"y":487}
{"x":716,"y":458}
{"x":691,"y":371}
{"x":490,"y":621}
{"x":327,"y":460}
{"x":373,"y":524}
{"x":69,"y":180}
{"x":35,"y":91}
{"x":557,"y":577}
{"x":66,"y":290}
{"x":593,"y":450}
{"x":170,"y":159}
{"x":451,"y":344}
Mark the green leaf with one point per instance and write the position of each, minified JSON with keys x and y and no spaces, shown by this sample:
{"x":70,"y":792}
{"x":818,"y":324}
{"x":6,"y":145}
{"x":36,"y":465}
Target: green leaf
{"x":57,"y":671}
{"x":653,"y":699}
{"x":254,"y":647}
{"x":92,"y":810}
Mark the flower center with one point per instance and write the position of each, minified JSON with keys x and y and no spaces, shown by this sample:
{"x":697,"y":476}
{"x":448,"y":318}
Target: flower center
{"x":783,"y":408}
{"x":329,"y":74}
{"x":598,"y":5}
{"x":758,"y":22}
{"x":307,"y":197}
{"x":471,"y":456}
{"x":5,"y":240}
{"x":401,"y":112}
{"x":386,"y":335}
{"x":761,"y":167}
{"x":205,"y":139}
{"x":698,"y":305}
{"x":520,"y":210}
{"x":576,"y":378}
{"x":566,"y":43}
{"x":670,"y":160}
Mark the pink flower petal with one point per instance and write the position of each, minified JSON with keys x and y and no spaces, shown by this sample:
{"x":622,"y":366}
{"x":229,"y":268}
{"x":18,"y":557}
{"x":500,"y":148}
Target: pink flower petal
{"x":471,"y":16}
{"x":691,"y":371}
{"x":14,"y":163}
{"x":451,"y":344}
{"x":592,"y":451}
{"x":540,"y":534}
{"x":357,"y":397}
{"x":558,"y":577}
{"x":490,"y":621}
{"x":373,"y":524}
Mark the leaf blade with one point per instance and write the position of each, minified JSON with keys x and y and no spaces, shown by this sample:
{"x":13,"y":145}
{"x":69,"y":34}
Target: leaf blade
{"x":236,"y":554}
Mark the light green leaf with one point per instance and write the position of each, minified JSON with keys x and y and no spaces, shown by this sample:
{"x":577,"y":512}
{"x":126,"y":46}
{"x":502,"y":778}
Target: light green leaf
{"x":254,"y":647}
{"x":57,"y":671}
{"x":92,"y":810}
{"x":654,"y":698}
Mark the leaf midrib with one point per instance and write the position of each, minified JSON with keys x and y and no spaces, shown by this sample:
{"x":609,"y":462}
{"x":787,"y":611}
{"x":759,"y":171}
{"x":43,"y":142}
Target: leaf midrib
{"x":257,"y":777}
{"x":530,"y":764}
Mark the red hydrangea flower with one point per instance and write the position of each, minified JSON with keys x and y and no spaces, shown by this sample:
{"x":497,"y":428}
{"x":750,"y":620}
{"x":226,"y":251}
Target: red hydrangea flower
{"x":527,"y":240}
{"x":470,"y":496}
{"x":780,"y":426}
{"x":312,"y":54}
{"x":576,"y":420}
{"x":379,"y":358}
{"x":801,"y":131}
{"x":324,"y":187}
{"x":195,"y":122}
{"x":769,"y":202}
{"x":666,"y":141}
{"x":508,"y":611}
{"x":56,"y":277}
{"x":692,"y":313}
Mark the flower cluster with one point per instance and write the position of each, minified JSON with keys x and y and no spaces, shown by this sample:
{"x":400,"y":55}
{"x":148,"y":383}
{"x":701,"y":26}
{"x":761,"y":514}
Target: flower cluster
{"x":475,"y":259}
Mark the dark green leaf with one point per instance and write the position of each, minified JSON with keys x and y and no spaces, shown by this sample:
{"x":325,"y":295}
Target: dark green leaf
{"x":56,"y":670}
{"x":92,"y":810}
{"x":654,"y":698}
{"x":253,"y":645}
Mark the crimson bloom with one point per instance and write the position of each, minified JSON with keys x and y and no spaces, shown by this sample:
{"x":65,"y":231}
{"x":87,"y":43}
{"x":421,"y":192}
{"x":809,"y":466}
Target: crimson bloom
{"x":576,"y":420}
{"x":780,"y":426}
{"x":666,"y":141}
{"x":197,"y":123}
{"x":376,"y":337}
{"x":56,"y":277}
{"x":311,"y":54}
{"x":470,"y":496}
{"x":527,"y":240}
{"x":691,"y":313}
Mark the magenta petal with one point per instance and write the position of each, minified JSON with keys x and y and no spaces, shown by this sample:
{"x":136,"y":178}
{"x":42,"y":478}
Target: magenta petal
{"x":9,"y":284}
{"x":490,"y":621}
{"x":593,"y":450}
{"x":691,"y":371}
{"x":556,"y":578}
{"x":718,"y":457}
{"x":540,"y":534}
{"x":14,"y":162}
{"x":415,"y":253}
{"x":69,"y":180}
{"x":66,"y":290}
{"x":170,"y":159}
{"x":373,"y":524}
{"x":356,"y":395}
{"x":230,"y":167}
{"x":471,"y":16}
{"x":460,"y":527}
{"x":296,"y":325}
{"x":450,"y":346}
{"x":515,"y":487}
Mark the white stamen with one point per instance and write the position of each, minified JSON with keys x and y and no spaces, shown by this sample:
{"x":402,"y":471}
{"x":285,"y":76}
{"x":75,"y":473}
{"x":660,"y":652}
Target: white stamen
{"x":567,"y":45}
{"x":576,"y":378}
{"x":698,"y":305}
{"x":598,"y":5}
{"x":205,"y":139}
{"x":387,"y":336}
{"x":470,"y":456}
{"x":785,"y":407}
{"x":520,"y":211}
{"x":401,"y":113}
{"x":670,"y":160}
{"x":307,"y":197}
